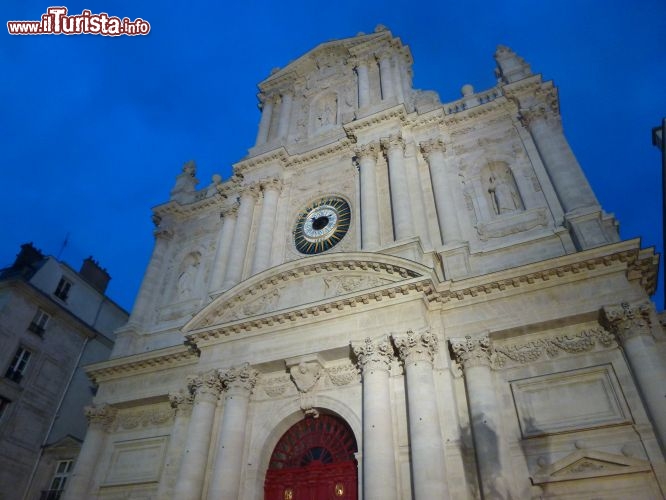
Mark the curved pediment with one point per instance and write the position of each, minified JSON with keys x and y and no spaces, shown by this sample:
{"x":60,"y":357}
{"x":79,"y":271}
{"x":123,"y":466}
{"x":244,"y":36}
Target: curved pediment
{"x":306,"y":283}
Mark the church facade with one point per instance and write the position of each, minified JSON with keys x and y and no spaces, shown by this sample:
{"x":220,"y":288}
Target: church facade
{"x":391,"y":298}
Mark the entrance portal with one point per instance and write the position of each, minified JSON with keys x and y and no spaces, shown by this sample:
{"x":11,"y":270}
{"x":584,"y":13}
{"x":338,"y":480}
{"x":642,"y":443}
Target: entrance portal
{"x":314,"y":460}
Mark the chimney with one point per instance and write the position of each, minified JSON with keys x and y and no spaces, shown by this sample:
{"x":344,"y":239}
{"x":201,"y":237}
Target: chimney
{"x":94,"y":274}
{"x":27,"y":259}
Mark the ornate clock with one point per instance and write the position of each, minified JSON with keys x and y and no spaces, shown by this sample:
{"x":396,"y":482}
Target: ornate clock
{"x":322,"y":225}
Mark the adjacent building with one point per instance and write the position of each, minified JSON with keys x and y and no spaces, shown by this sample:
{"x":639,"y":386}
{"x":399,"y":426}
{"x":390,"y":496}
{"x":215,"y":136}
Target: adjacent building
{"x":53,"y":321}
{"x":391,"y":298}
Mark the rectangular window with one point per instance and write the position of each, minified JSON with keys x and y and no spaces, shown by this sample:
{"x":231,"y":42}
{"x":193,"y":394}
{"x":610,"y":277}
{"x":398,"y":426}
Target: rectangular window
{"x":4,"y":404}
{"x":62,"y":290}
{"x":63,"y":469}
{"x":17,"y":368}
{"x":38,"y":324}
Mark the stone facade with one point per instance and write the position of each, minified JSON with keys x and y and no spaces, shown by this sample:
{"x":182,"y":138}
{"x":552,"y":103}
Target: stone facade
{"x":458,"y":298}
{"x":53,"y":320}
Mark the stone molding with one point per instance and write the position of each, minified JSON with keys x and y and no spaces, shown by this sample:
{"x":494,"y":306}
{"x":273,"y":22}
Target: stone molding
{"x":550,"y":347}
{"x":395,"y":113}
{"x":143,"y":418}
{"x":472,"y":352}
{"x":239,"y":379}
{"x":143,"y":363}
{"x":100,"y":416}
{"x":628,"y":320}
{"x":449,"y":294}
{"x":416,"y":346}
{"x":205,"y":387}
{"x":374,"y":354}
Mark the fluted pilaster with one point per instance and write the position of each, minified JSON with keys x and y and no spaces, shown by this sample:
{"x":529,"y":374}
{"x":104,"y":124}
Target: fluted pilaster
{"x":235,"y":266}
{"x":367,"y":161}
{"x":262,"y":251}
{"x":442,"y":181}
{"x":401,"y":203}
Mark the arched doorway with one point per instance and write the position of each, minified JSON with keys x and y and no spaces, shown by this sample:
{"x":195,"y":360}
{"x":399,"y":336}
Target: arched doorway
{"x":314,"y":460}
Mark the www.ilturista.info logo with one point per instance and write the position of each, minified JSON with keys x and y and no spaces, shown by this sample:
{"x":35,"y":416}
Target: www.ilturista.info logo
{"x":56,"y":22}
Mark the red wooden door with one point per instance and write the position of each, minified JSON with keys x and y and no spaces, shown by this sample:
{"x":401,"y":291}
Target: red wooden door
{"x":314,"y":460}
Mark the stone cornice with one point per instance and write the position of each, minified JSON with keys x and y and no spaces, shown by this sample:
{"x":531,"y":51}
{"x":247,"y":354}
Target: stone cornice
{"x":336,"y":148}
{"x":625,"y":254}
{"x":278,"y":155}
{"x":497,"y":107}
{"x":396,"y":113}
{"x":142,"y":363}
{"x":175,"y":208}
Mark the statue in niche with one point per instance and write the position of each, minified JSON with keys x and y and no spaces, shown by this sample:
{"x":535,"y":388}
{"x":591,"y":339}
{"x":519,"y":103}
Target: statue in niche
{"x":187,"y":277}
{"x":327,"y":111}
{"x":502,"y":190}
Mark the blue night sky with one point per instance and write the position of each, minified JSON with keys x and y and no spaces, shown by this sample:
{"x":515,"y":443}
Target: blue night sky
{"x":95,"y":129}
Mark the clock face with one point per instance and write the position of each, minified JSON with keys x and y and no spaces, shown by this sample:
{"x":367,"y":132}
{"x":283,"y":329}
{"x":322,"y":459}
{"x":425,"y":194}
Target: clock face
{"x":322,"y":225}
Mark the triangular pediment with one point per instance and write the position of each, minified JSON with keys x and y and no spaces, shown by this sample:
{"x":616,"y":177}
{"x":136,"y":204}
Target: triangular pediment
{"x":314,"y":282}
{"x":309,"y":61}
{"x":583,"y":464}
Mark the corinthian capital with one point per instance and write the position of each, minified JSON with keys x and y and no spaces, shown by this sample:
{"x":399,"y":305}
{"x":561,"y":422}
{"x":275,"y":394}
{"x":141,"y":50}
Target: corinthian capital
{"x":374,"y":354}
{"x":100,"y":416}
{"x":628,"y":320}
{"x":271,"y":184}
{"x":205,"y":387}
{"x":240,"y":379}
{"x":432,"y":145}
{"x":471,"y":352}
{"x":392,"y":142}
{"x":252,"y":191}
{"x":181,"y":401}
{"x":231,"y":211}
{"x":415,"y":346}
{"x":369,"y":150}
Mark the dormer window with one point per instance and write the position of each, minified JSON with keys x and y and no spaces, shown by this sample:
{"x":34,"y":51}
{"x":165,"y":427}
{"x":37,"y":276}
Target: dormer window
{"x":62,"y":290}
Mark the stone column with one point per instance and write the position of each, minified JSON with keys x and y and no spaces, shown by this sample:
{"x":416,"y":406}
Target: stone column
{"x":266,"y":116}
{"x":154,"y":273}
{"x":385,"y":76}
{"x":403,"y":224}
{"x":234,"y":270}
{"x":182,"y":404}
{"x":100,"y":419}
{"x":379,"y":468}
{"x":425,"y":435}
{"x":433,"y":151}
{"x":285,"y":114}
{"x":223,"y":247}
{"x":489,"y":443}
{"x":397,"y":78}
{"x":239,"y":383}
{"x":363,"y":84}
{"x":569,"y":181}
{"x":206,"y":389}
{"x":367,"y":161}
{"x":264,"y":244}
{"x":631,"y":324}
